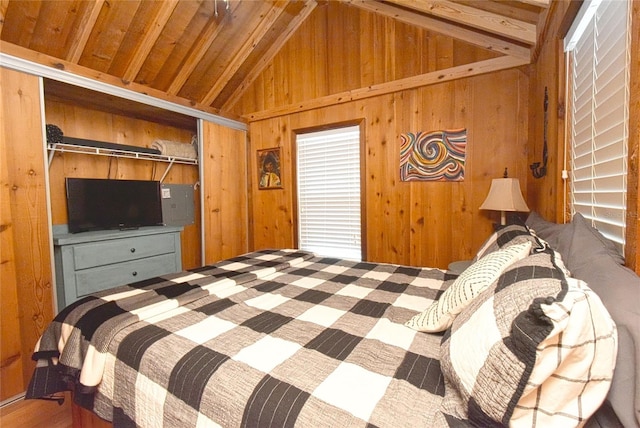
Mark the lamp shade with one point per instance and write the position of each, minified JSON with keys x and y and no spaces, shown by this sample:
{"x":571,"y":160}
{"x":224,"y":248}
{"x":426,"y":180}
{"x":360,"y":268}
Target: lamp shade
{"x":505,"y":195}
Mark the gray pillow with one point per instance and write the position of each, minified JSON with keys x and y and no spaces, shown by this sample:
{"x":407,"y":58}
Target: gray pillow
{"x":588,"y":258}
{"x":587,"y":243}
{"x":547,"y":230}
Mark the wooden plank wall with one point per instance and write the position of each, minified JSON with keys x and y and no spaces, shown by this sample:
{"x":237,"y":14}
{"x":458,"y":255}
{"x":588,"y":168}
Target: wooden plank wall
{"x":548,"y":194}
{"x":416,"y":223}
{"x":26,"y":257}
{"x":80,"y":122}
{"x":341,"y":47}
{"x":428,"y":224}
{"x":225,"y":192}
{"x":10,"y":347}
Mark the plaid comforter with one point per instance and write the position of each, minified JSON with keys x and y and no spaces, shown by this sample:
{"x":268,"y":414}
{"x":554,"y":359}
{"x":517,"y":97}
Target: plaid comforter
{"x":271,"y":338}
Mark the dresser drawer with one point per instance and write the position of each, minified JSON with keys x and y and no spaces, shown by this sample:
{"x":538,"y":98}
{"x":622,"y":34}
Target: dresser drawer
{"x":91,"y":262}
{"x":120,"y":250}
{"x":96,"y":279}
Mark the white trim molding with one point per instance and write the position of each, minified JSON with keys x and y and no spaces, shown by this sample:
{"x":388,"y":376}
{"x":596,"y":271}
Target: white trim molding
{"x":25,"y":66}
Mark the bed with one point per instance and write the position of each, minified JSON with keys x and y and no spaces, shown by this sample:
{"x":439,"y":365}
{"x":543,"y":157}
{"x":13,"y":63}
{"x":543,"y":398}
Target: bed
{"x":287,"y":338}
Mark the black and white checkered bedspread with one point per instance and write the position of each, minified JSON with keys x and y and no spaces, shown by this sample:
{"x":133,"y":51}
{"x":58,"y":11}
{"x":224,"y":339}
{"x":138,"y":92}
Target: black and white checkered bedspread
{"x":271,"y":338}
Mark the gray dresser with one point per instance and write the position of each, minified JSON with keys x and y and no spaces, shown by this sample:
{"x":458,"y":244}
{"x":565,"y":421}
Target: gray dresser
{"x":89,"y":262}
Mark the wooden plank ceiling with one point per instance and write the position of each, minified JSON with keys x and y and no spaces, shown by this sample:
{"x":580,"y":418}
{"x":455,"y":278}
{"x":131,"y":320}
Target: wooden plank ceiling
{"x":207,"y":52}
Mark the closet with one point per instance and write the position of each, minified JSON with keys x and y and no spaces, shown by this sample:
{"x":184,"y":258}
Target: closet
{"x":33,"y":203}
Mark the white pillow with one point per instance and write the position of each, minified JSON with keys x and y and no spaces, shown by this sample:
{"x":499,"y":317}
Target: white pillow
{"x":440,"y":315}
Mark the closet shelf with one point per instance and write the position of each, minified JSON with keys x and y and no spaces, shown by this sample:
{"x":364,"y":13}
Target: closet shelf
{"x":113,"y":152}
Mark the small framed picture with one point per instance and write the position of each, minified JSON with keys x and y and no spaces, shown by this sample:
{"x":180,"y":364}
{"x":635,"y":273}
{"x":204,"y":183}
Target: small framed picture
{"x":269,"y":176}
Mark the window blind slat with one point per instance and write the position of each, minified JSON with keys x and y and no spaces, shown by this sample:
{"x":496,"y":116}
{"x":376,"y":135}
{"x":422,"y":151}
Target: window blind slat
{"x":611,"y":231}
{"x":609,"y":184}
{"x":583,"y":88}
{"x":611,"y":152}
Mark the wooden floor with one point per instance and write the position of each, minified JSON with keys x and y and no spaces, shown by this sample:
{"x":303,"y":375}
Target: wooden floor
{"x":36,"y":414}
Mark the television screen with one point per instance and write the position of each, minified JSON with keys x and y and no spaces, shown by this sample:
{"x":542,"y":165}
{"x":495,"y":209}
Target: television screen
{"x":99,"y":204}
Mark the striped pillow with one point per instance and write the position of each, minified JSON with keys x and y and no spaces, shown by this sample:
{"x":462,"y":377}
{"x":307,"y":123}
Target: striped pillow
{"x":506,"y":236}
{"x":440,"y":315}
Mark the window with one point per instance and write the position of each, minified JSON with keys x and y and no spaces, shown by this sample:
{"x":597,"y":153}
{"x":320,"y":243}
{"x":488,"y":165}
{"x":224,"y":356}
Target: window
{"x":599,"y":55}
{"x":328,"y":165}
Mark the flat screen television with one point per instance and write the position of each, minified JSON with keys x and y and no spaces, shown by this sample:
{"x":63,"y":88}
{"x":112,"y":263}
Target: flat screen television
{"x":101,"y":204}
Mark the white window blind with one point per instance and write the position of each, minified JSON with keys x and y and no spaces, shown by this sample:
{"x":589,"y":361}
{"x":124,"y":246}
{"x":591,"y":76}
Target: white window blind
{"x":328,"y":164}
{"x":599,"y":74}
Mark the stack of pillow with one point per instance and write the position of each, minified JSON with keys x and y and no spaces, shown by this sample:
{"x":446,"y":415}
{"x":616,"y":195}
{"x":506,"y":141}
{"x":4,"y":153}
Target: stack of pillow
{"x":525,"y":343}
{"x":594,"y":259}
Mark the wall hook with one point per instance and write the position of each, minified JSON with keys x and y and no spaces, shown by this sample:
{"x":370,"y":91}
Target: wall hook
{"x":537,"y":170}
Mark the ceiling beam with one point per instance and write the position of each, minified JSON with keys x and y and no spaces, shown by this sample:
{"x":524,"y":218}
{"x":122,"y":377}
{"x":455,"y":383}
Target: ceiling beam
{"x":263,"y":27}
{"x":540,"y":3}
{"x":199,"y":49}
{"x":86,"y":27}
{"x":477,"y":38}
{"x":518,"y":11}
{"x":274,"y":48}
{"x":440,"y":76}
{"x":149,"y":39}
{"x":477,"y":18}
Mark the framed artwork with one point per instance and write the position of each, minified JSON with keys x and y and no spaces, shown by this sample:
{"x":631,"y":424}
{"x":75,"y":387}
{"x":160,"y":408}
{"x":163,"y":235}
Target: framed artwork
{"x":433,"y":156}
{"x":269,"y":176}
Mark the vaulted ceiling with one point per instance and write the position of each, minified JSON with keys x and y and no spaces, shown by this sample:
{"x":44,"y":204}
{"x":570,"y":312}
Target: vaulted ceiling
{"x":206,"y":52}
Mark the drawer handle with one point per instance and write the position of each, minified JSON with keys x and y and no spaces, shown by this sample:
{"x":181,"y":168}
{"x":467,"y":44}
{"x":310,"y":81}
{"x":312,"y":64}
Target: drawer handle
{"x":135,"y":273}
{"x":133,"y":250}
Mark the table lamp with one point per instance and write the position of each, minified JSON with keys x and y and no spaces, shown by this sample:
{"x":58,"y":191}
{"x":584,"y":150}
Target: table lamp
{"x":505,"y":195}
